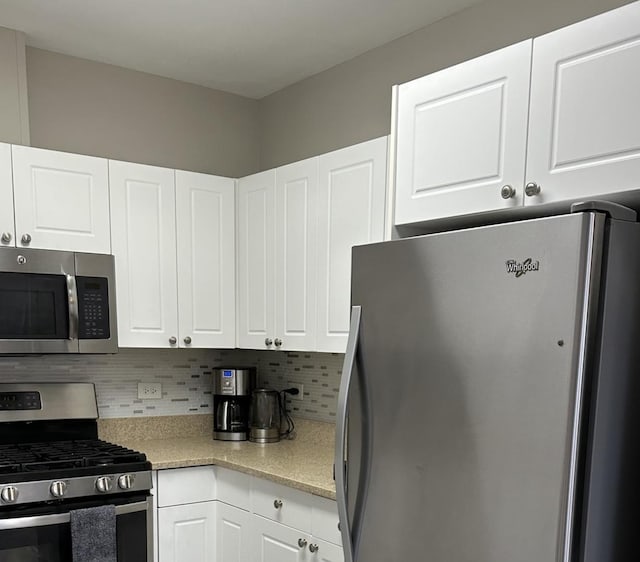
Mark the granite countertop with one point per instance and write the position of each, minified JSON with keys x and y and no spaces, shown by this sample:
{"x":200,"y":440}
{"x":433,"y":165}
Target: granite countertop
{"x":305,"y":463}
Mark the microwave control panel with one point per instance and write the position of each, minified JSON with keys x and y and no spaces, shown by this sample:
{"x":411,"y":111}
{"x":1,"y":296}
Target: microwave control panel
{"x":93,"y":308}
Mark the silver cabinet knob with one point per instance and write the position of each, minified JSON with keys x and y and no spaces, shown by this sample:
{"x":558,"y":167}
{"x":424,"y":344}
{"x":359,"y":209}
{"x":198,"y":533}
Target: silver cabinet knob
{"x":187,"y":340}
{"x":9,"y":494}
{"x":531,"y":189}
{"x":302,"y":543}
{"x":26,"y":239}
{"x":104,"y":484}
{"x":173,"y":340}
{"x":125,"y":482}
{"x":278,"y":342}
{"x":268,"y":342}
{"x":58,"y":488}
{"x":313,"y":548}
{"x":6,"y":237}
{"x":507,"y":192}
{"x":277,"y":504}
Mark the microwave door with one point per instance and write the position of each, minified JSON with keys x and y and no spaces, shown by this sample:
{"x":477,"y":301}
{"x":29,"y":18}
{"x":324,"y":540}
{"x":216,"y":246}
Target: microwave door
{"x":38,"y":302}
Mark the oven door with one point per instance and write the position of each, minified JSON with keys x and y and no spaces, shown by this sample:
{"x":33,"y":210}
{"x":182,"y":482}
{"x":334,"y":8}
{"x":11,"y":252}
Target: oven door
{"x":47,"y":537}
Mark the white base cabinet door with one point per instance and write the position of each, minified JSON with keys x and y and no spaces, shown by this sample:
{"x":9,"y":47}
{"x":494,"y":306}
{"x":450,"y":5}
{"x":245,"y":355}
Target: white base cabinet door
{"x":461,"y":137}
{"x":205,"y":207}
{"x":233,"y":534}
{"x":351,"y":204}
{"x":256,"y":260}
{"x":61,"y":200}
{"x":187,"y":533}
{"x":7,"y":224}
{"x":275,"y":542}
{"x":143,"y":225}
{"x":584,"y":124}
{"x":323,"y":551}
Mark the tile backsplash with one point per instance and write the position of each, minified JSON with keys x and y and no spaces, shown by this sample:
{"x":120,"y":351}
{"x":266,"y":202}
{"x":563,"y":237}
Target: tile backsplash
{"x":186,"y":377}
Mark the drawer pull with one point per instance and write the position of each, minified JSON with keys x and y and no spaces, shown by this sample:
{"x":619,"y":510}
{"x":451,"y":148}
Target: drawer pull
{"x":302,"y":543}
{"x":314,"y":547}
{"x":277,"y":504}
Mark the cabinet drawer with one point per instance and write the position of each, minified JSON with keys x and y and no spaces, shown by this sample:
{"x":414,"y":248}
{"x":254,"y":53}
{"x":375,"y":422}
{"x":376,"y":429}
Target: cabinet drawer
{"x":280,"y":503}
{"x":186,"y":485}
{"x":324,"y":520}
{"x":234,"y":488}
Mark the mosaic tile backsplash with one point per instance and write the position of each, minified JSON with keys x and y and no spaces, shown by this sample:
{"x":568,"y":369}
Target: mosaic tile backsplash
{"x":186,"y":377}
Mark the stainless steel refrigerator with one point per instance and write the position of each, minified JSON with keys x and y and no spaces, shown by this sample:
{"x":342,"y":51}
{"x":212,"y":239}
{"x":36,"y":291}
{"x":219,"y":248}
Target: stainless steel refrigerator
{"x":488,"y":409}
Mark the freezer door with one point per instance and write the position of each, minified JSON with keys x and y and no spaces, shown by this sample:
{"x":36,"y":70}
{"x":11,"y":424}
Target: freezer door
{"x":467,"y":391}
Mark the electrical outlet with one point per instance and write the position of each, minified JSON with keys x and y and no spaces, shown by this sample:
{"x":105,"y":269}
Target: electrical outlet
{"x":149,"y":390}
{"x":300,"y":394}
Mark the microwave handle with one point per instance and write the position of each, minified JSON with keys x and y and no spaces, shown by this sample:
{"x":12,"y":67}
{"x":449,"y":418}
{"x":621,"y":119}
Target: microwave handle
{"x":72,"y":296}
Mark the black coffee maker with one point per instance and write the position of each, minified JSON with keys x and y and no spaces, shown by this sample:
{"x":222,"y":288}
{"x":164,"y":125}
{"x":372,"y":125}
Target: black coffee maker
{"x":232,"y":387}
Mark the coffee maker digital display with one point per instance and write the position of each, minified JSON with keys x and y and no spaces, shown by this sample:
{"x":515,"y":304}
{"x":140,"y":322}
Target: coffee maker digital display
{"x":232,"y":388}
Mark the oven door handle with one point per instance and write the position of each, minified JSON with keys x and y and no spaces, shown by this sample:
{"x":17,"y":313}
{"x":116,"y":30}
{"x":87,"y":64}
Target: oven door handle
{"x":74,"y":315}
{"x":62,"y":518}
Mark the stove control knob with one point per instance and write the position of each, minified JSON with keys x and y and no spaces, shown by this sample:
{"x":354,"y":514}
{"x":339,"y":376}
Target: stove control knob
{"x":104,"y":484}
{"x":58,"y":488}
{"x":125,"y":482}
{"x":9,"y":494}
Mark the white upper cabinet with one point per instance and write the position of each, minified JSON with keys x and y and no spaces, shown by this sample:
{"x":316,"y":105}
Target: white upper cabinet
{"x":61,"y":200}
{"x":461,"y":137}
{"x":7,"y":225}
{"x":584,"y":126}
{"x":351,"y":210}
{"x":461,"y":132}
{"x":205,"y":213}
{"x":143,"y":223}
{"x":256,"y":260}
{"x":295,"y":251}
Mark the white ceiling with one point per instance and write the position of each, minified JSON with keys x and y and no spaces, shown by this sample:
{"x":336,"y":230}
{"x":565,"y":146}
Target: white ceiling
{"x":248,"y":47}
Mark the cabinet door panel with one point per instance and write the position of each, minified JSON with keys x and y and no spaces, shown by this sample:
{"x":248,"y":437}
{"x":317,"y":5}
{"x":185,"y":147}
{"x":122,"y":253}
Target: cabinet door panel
{"x":278,"y":543}
{"x":144,"y":246}
{"x":350,"y":212}
{"x":7,"y":225}
{"x":256,"y":255}
{"x":461,"y":136}
{"x":205,"y":208}
{"x":296,"y":262}
{"x":233,"y":534}
{"x":325,"y":552}
{"x":187,"y":532}
{"x":61,"y":200}
{"x":584,"y":132}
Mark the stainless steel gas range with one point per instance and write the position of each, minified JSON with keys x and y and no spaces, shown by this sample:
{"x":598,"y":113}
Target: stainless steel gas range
{"x":62,"y":490}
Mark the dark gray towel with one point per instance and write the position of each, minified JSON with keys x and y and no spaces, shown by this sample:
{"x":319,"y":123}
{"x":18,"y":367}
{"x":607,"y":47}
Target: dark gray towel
{"x":93,"y":534}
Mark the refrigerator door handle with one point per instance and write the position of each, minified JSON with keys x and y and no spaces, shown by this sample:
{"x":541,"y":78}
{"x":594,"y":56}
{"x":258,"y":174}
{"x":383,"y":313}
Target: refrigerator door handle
{"x":341,"y":422}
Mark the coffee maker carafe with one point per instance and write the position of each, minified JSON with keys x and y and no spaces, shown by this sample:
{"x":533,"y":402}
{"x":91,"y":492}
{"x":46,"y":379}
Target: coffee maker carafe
{"x":232,"y":387}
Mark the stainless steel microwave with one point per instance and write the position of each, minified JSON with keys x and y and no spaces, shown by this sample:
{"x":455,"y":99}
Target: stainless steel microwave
{"x":57,"y":302}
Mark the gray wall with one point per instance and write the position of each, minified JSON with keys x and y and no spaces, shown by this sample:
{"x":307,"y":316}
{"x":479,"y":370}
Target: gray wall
{"x":351,"y":102}
{"x":14,"y":118}
{"x":93,"y":108}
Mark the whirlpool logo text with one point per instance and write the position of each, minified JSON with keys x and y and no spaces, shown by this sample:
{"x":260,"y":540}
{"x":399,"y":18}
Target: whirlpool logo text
{"x":520,"y":268}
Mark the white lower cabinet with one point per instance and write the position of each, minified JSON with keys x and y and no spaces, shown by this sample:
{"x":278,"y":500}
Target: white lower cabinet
{"x":266,"y":522}
{"x":278,"y":543}
{"x":187,"y":533}
{"x":234,"y":530}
